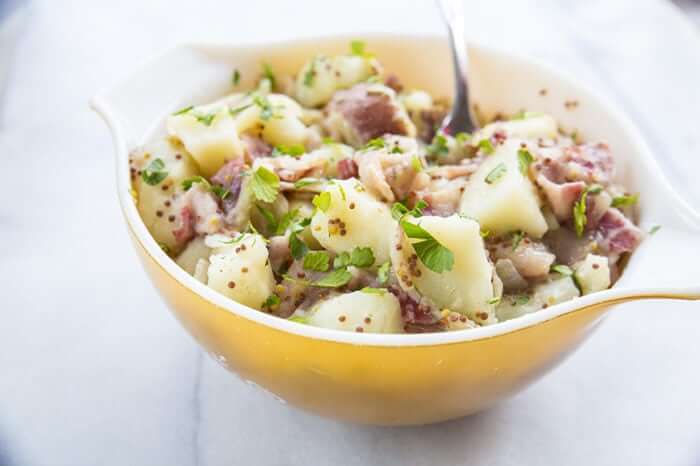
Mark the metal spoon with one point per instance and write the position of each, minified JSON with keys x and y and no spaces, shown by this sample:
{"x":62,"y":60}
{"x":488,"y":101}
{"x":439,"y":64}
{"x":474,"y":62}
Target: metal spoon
{"x":461,"y":117}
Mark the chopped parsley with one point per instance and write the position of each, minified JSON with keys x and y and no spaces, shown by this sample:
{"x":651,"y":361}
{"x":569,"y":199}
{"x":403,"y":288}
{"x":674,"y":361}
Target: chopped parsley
{"x":562,"y":269}
{"x":322,"y":201}
{"x":521,"y":299}
{"x":525,"y":158}
{"x":463,"y":138}
{"x":236,"y":77}
{"x":269,"y":217}
{"x":654,"y":229}
{"x":335,"y":279}
{"x":287,"y":221}
{"x":357,"y":47}
{"x":294,"y":151}
{"x":484,"y":233}
{"x":265,"y":185}
{"x":299,"y":319}
{"x":431,"y":253}
{"x":398,"y":210}
{"x":358,"y":257}
{"x":269,"y":74}
{"x":266,"y":111}
{"x":302,"y":183}
{"x":439,"y":146}
{"x":370,"y":290}
{"x":486,"y":146}
{"x":496,"y":174}
{"x":187,"y":183}
{"x":206,"y":119}
{"x":495,"y":300}
{"x":383,"y":273}
{"x":297,"y":246}
{"x":310,"y":74}
{"x":523,"y":114}
{"x":272,"y":301}
{"x":580,"y":217}
{"x":416,"y":164}
{"x":625,"y":200}
{"x":235,"y":111}
{"x":517,"y":239}
{"x":154,"y":173}
{"x":318,"y":261}
{"x":182,"y":111}
{"x":376,"y":143}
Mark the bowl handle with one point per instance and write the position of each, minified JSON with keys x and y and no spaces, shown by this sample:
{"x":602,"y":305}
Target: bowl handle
{"x":667,"y":264}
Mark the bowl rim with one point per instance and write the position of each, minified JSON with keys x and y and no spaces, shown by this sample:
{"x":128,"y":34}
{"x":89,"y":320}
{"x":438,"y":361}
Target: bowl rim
{"x":100,"y":103}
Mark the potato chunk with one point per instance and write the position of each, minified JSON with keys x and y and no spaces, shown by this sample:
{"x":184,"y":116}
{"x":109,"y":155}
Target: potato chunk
{"x":322,"y":76}
{"x":593,"y":273}
{"x":156,"y":203}
{"x":544,"y":295}
{"x":241,"y":271}
{"x":501,"y":197}
{"x":373,"y":311}
{"x":529,"y":127}
{"x":353,"y":218}
{"x":467,"y":288}
{"x":193,"y":252}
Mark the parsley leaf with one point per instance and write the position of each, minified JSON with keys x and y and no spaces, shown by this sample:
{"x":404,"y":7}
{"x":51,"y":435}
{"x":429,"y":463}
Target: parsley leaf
{"x":317,"y":260}
{"x":269,"y":217}
{"x":187,"y":183}
{"x":220,"y":191}
{"x":310,"y":74}
{"x":525,"y":158}
{"x":272,"y":301}
{"x":438,"y":146}
{"x":496,"y":174}
{"x":154,"y":173}
{"x":286,"y":221}
{"x":358,"y":257}
{"x":236,"y":77}
{"x":654,"y":229}
{"x":322,"y":201}
{"x":294,"y":151}
{"x":523,"y":114}
{"x":521,"y":299}
{"x":306,"y":182}
{"x":463,"y":138}
{"x":335,"y":279}
{"x":486,"y":146}
{"x":580,"y":217}
{"x":357,"y":47}
{"x":398,"y":210}
{"x":383,"y":273}
{"x":235,"y":111}
{"x":266,"y":111}
{"x":562,"y":269}
{"x":299,"y":319}
{"x":265,"y":185}
{"x":432,"y":254}
{"x":297,"y":246}
{"x":517,"y":239}
{"x":626,"y":200}
{"x":184,"y":110}
{"x":206,"y":119}
{"x":494,"y":300}
{"x":370,"y":290}
{"x":269,"y":74}
{"x":416,"y":164}
{"x":376,"y":143}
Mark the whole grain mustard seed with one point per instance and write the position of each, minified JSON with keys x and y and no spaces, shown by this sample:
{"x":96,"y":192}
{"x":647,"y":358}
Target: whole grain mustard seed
{"x":232,"y":284}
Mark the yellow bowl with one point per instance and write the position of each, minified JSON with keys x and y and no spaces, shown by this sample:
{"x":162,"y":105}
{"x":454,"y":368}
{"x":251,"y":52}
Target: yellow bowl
{"x":398,"y":379}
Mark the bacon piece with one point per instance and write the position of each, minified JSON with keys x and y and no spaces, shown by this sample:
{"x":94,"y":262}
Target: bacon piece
{"x":561,"y":197}
{"x":229,"y":177}
{"x":369,"y":113}
{"x":185,"y":231}
{"x":417,"y":316}
{"x":255,"y":147}
{"x":592,"y":163}
{"x":616,"y":233}
{"x":347,"y":168}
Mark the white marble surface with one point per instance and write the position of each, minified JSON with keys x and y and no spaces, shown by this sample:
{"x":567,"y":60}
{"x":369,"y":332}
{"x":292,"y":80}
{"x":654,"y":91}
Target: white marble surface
{"x":95,"y":371}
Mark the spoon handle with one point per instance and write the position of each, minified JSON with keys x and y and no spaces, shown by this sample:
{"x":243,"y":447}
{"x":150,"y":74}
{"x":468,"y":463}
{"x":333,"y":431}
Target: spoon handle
{"x":461,"y":118}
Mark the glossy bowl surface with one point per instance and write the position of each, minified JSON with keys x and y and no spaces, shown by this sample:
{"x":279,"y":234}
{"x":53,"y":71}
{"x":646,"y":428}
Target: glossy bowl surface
{"x":399,"y":379}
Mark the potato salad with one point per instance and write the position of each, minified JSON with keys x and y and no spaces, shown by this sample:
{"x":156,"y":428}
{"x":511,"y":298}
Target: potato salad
{"x":331,"y":198}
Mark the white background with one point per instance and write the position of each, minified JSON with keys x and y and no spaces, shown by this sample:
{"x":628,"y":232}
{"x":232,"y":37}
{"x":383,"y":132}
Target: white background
{"x":95,"y":371}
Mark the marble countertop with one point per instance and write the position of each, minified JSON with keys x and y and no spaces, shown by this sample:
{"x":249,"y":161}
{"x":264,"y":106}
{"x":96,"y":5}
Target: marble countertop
{"x":95,"y":370}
